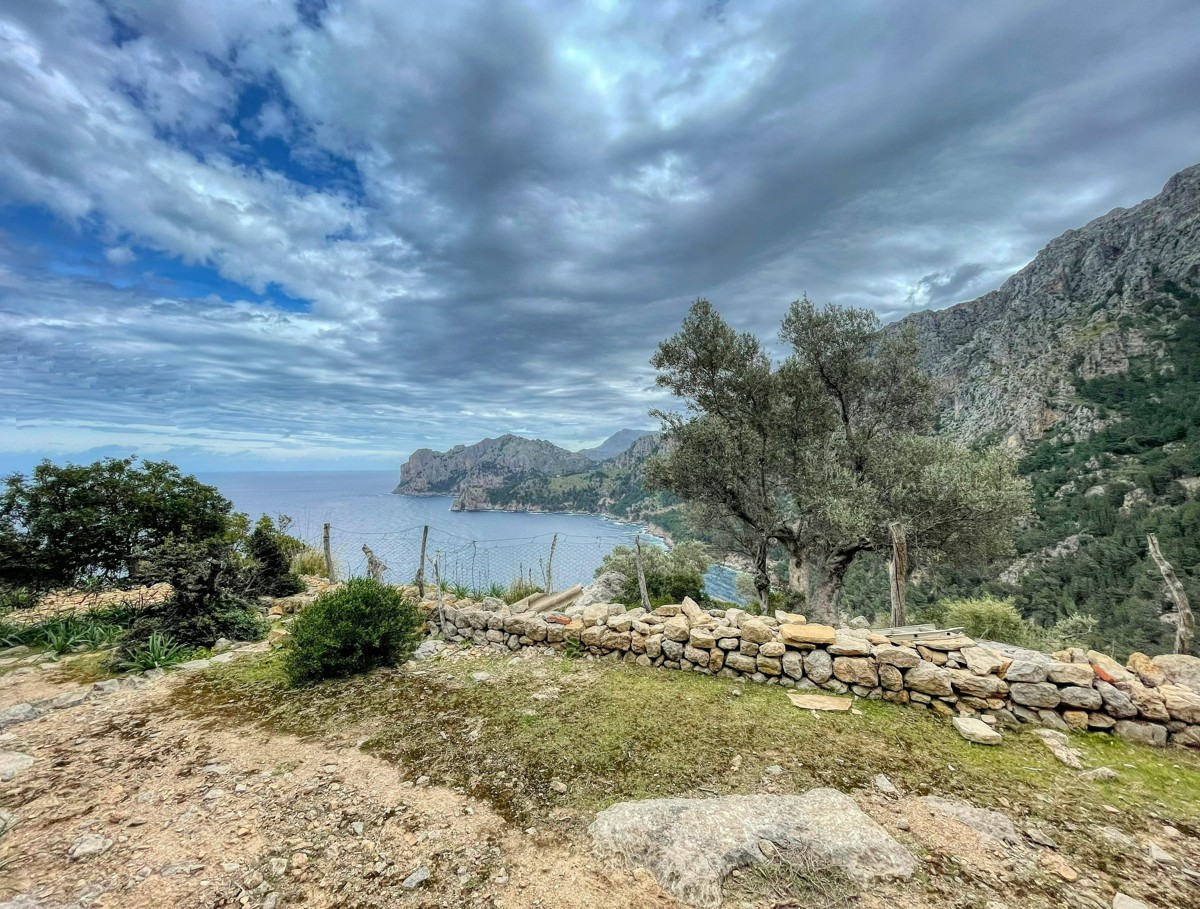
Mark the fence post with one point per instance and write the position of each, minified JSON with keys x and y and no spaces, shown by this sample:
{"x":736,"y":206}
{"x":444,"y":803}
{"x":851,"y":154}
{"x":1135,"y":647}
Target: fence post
{"x":550,"y":566}
{"x":328,"y":553}
{"x":641,"y":574}
{"x":421,"y":565}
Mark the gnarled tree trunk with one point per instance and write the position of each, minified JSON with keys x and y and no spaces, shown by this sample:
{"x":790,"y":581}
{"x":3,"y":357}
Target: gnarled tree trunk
{"x":819,"y":577}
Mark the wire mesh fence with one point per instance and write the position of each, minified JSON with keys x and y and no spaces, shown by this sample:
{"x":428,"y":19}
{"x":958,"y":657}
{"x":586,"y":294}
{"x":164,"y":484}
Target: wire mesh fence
{"x":552,"y":561}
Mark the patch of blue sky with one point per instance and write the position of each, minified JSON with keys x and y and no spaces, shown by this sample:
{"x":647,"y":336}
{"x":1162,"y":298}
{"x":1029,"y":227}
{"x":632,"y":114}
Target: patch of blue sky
{"x":50,"y":245}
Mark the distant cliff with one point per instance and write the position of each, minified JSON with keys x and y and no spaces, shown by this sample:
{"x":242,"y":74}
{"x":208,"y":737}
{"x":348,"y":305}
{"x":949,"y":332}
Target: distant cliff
{"x":485,"y":464}
{"x":516,"y":474}
{"x":1010,"y":362}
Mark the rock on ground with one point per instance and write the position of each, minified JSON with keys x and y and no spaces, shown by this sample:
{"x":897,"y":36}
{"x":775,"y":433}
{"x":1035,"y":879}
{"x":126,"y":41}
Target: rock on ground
{"x":981,"y":820}
{"x":974,"y":730}
{"x":12,"y":763}
{"x":691,"y":845}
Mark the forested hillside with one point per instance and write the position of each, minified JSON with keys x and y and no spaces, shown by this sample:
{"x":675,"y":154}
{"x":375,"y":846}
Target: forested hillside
{"x":1098,"y":496}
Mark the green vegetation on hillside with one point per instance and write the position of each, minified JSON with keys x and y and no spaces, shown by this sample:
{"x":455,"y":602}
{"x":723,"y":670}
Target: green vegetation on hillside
{"x":1110,"y":489}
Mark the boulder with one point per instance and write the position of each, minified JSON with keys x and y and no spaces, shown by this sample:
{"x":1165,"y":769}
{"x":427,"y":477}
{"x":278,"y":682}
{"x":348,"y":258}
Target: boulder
{"x":691,"y":845}
{"x":900,"y":657}
{"x":702,"y":637}
{"x":793,"y":664}
{"x":594,"y":614}
{"x":806,"y":634}
{"x":740,"y":662}
{"x":677,"y":628}
{"x":1143,"y":667}
{"x":848,"y":645}
{"x":1060,"y":746}
{"x":929,"y":679}
{"x":948,"y":643}
{"x":756,"y":631}
{"x":980,"y":686}
{"x":1116,"y":702}
{"x":693,"y":613}
{"x":789,"y":618}
{"x":984,"y":661}
{"x":855,"y":671}
{"x":1179,"y":669}
{"x":772,"y":649}
{"x":1182,"y":703}
{"x":1148,"y":701}
{"x":984,"y":822}
{"x":975,"y":730}
{"x":770,"y":665}
{"x":1078,"y":674}
{"x":1108,"y":669}
{"x":1142,"y":733}
{"x":1081,"y":698}
{"x":890,"y":677}
{"x":623,"y":622}
{"x":818,"y":666}
{"x":1035,"y":694}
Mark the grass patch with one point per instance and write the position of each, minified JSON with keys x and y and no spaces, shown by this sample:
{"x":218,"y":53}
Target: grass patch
{"x":614,"y":733}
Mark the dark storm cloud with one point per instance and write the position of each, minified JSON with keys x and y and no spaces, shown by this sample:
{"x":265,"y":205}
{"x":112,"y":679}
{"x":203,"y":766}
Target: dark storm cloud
{"x":514,"y":204}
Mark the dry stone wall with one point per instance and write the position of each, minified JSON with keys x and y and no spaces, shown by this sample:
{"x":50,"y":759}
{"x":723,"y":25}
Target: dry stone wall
{"x":1155,"y":701}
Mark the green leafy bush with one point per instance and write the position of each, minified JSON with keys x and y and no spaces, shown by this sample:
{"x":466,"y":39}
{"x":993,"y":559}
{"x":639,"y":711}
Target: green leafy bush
{"x":71,"y":524}
{"x":988,"y":618}
{"x":670,"y":574}
{"x":271,"y":574}
{"x":355,"y":628}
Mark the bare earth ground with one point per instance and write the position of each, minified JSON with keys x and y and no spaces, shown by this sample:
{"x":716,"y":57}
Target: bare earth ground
{"x":195,"y":797}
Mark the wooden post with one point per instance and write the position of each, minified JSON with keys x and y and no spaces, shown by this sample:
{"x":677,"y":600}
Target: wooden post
{"x":641,"y":574}
{"x":375,"y":568}
{"x":1185,"y":627}
{"x":550,"y":566}
{"x":897,"y":569}
{"x":328,"y":553}
{"x":421,"y":564}
{"x":436,"y":561}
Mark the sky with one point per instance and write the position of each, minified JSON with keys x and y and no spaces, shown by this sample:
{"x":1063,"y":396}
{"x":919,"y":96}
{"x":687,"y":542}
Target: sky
{"x":297,"y":234}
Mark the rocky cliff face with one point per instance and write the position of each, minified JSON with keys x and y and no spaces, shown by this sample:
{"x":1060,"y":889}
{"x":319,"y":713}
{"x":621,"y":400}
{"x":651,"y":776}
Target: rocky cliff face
{"x":485,"y":464}
{"x":1008,"y":361}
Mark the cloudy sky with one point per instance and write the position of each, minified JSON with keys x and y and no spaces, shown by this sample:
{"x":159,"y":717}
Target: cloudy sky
{"x":294,"y":233}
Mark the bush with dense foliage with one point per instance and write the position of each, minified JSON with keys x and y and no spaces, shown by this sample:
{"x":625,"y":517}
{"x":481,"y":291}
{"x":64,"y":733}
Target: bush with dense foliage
{"x":271,"y":552}
{"x":67,"y":525}
{"x":357,"y":627}
{"x":671,"y":574}
{"x":987,"y":618}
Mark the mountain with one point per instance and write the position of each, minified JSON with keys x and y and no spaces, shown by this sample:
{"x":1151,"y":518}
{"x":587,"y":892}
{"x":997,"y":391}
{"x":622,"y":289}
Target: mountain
{"x":512,"y":473}
{"x":1011,"y":362}
{"x":485,"y":464}
{"x":615,"y":444}
{"x":1087,"y":364}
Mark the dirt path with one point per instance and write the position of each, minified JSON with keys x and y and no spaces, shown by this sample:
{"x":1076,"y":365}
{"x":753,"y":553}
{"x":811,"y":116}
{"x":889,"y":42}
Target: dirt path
{"x":130,"y":806}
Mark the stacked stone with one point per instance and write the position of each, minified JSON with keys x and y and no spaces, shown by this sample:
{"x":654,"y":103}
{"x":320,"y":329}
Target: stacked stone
{"x":1152,"y":701}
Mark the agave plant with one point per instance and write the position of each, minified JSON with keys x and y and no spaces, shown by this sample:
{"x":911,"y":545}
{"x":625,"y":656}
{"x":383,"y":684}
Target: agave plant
{"x":159,"y":652}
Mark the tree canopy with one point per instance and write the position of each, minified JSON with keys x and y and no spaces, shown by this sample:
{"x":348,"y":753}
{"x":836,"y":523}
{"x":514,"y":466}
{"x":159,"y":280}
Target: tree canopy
{"x":821,"y":452}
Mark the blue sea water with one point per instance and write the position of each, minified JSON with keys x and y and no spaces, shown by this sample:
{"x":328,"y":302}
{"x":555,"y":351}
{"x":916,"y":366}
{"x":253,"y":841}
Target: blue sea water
{"x":473,"y":547}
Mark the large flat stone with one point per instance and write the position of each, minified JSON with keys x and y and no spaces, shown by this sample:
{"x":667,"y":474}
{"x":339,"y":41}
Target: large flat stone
{"x":806,"y":634}
{"x":691,"y":845}
{"x":818,"y":701}
{"x":975,"y":730}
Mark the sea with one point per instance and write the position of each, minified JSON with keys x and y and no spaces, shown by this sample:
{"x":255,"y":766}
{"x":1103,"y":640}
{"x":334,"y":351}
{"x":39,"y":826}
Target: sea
{"x":474,"y":548}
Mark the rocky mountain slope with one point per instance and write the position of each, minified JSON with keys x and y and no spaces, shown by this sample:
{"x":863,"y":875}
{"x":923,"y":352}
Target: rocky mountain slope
{"x":516,"y":474}
{"x":615,"y":444}
{"x":485,"y":464}
{"x":1010,"y":361}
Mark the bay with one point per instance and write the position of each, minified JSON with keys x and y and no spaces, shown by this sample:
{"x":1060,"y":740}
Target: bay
{"x":472,"y":548}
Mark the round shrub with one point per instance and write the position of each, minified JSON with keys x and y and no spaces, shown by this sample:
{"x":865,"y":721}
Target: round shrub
{"x":357,"y":627}
{"x":988,"y":618}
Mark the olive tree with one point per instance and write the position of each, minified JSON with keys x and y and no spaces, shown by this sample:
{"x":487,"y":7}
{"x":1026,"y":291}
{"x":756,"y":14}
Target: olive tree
{"x":821,"y":452}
